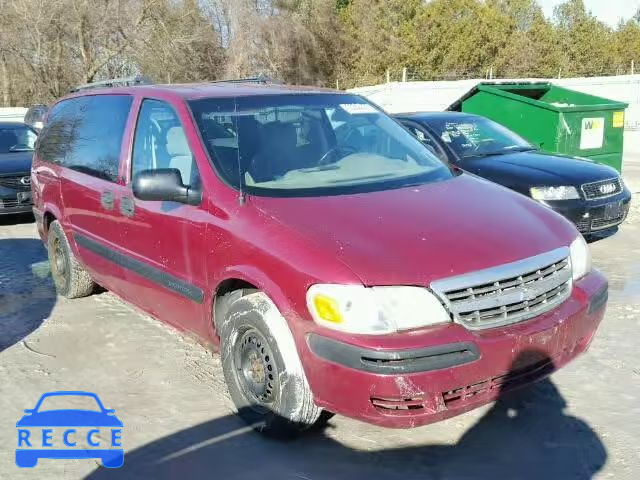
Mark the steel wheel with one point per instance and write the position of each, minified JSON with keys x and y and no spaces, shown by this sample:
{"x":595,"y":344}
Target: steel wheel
{"x":256,"y":369}
{"x":59,"y":263}
{"x":262,"y":368}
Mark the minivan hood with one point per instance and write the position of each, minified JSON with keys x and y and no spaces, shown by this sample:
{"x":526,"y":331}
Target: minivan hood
{"x":414,"y":235}
{"x":538,"y":168}
{"x":15,"y":162}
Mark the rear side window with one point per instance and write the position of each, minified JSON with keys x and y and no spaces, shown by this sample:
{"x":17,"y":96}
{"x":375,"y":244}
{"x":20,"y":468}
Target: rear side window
{"x":85,"y":134}
{"x":55,"y":138}
{"x":95,"y":147}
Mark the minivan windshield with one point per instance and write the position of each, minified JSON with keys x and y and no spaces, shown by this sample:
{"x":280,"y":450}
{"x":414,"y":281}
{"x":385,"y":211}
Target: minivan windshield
{"x":311,"y":144}
{"x":471,"y":136}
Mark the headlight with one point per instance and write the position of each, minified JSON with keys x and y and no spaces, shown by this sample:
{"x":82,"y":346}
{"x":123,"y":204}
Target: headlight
{"x":554,"y":193}
{"x":580,"y":258}
{"x":358,"y":309}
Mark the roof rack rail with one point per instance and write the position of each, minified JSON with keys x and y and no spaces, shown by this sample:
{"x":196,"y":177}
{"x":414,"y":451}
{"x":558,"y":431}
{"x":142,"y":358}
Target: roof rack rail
{"x":115,"y":82}
{"x":261,"y":79}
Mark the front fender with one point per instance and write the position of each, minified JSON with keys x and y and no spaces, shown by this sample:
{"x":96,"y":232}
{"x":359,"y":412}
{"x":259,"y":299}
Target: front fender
{"x":255,"y":276}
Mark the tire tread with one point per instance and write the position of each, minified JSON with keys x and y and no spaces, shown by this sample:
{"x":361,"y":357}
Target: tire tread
{"x":78,"y":283}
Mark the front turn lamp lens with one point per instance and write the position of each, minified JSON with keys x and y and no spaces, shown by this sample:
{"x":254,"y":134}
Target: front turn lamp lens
{"x":327,"y":309}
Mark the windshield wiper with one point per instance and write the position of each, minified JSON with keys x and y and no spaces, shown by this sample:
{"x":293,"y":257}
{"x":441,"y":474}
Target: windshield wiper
{"x":482,"y":155}
{"x":320,"y":168}
{"x":500,"y":152}
{"x":519,"y":149}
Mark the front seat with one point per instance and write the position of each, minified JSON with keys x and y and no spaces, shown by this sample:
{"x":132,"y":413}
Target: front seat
{"x":180,"y":156}
{"x":278,"y":152}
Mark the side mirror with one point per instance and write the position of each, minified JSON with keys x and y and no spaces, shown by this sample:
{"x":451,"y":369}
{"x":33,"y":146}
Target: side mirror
{"x":164,"y":184}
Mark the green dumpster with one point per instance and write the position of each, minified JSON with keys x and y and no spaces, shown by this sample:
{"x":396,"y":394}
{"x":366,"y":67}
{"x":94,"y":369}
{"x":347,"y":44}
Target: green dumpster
{"x":555,"y":119}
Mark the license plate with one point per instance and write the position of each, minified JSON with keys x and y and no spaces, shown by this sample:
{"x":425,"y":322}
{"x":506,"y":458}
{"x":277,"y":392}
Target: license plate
{"x":24,"y":197}
{"x":613,"y":211}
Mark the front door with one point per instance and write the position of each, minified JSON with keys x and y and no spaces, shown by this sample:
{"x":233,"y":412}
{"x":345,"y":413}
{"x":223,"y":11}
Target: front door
{"x":164,"y":239}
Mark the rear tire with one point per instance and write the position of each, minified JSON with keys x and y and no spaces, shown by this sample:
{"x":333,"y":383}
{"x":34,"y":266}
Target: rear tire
{"x":70,"y":278}
{"x":262,"y":369}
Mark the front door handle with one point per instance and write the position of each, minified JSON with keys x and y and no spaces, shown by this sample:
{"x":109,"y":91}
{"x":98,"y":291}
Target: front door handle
{"x":106,"y":200}
{"x":127,"y":206}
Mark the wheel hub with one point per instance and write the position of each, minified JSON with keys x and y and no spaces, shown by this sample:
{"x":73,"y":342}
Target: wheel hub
{"x":256,"y":368}
{"x":59,"y":264}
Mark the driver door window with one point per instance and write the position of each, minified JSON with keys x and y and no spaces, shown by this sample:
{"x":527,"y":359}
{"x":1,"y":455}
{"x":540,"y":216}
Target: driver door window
{"x":160,"y":142}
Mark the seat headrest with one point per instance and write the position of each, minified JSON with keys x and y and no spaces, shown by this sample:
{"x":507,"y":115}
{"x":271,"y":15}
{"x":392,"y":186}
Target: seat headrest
{"x":177,"y":142}
{"x":281,"y":134}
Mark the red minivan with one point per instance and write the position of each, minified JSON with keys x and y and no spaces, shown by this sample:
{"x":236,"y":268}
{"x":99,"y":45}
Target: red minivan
{"x":337,"y":262}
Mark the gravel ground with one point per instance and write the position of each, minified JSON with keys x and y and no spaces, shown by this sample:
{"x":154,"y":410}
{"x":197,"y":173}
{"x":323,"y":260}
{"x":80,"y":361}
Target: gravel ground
{"x":169,"y":393}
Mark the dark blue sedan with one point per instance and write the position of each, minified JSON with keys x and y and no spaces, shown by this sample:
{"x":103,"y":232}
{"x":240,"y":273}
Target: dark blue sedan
{"x":592,"y":196}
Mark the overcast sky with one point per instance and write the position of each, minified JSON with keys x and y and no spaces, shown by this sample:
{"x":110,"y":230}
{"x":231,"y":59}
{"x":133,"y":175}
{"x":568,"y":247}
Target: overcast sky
{"x":609,"y":11}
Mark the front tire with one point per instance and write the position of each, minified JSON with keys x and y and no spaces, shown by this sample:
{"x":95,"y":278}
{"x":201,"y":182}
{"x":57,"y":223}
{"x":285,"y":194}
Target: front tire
{"x":70,"y":278}
{"x":262,"y":369}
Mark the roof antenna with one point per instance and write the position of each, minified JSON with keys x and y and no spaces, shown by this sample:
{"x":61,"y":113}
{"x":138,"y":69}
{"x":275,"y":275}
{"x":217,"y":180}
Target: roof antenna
{"x":241,"y":197}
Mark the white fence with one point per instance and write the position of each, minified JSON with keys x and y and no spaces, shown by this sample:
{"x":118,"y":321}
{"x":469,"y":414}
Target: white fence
{"x":396,"y":97}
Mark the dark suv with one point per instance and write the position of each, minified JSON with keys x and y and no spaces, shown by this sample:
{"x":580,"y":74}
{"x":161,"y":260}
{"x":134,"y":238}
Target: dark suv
{"x":338,"y":263}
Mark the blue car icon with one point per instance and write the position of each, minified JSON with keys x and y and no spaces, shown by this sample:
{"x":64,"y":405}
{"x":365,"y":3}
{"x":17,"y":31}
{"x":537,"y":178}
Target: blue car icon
{"x":35,"y":418}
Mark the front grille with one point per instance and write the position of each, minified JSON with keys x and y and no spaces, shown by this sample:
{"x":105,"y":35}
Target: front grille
{"x":398,"y":404}
{"x":583,"y":226}
{"x":15,"y":182}
{"x":602,"y":223}
{"x":509,"y":293}
{"x":597,"y":221}
{"x":9,"y":203}
{"x":602,"y":189}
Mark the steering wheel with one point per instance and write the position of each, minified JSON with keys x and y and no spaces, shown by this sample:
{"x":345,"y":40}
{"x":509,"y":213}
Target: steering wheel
{"x":324,"y":160}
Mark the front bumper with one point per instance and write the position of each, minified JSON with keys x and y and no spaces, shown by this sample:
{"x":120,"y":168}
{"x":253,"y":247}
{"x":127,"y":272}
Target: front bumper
{"x":421,"y":377}
{"x":15,"y":201}
{"x":590,"y":216}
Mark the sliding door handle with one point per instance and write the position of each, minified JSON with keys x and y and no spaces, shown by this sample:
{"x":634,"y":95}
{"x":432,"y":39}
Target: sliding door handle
{"x":107,"y":200}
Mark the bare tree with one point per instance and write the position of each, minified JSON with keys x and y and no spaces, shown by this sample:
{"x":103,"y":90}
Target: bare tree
{"x":180,"y":44}
{"x":56,"y":44}
{"x":104,"y":30}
